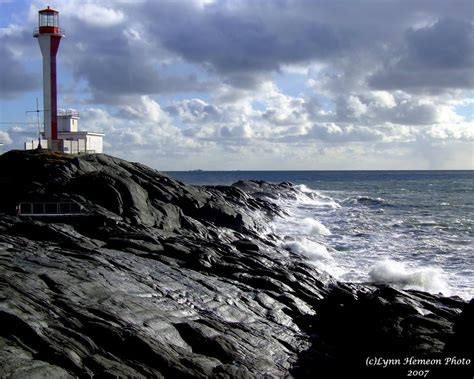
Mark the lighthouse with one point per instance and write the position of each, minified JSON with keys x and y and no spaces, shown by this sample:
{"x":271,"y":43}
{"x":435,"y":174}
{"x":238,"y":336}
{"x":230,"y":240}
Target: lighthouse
{"x":60,"y":126}
{"x":49,"y":36}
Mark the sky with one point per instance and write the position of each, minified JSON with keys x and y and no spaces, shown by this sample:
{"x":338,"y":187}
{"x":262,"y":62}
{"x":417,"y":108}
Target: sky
{"x":253,"y":85}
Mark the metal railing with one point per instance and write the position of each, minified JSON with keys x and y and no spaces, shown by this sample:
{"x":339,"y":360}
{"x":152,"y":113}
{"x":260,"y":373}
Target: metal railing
{"x":68,"y":112}
{"x":53,"y":30}
{"x":51,"y":208}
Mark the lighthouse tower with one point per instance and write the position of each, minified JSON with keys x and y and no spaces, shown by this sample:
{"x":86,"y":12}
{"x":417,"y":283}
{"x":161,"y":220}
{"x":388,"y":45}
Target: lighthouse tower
{"x":49,"y":36}
{"x":60,"y":128}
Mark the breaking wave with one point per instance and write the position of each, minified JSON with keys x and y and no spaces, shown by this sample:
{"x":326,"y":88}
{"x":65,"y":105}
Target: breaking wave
{"x":308,"y":248}
{"x":396,"y":273}
{"x":315,"y":227}
{"x":316,"y":253}
{"x":307,"y":196}
{"x":346,"y":237}
{"x":366,"y":200}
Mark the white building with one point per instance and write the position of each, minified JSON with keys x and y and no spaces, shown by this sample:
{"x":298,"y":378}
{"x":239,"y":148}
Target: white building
{"x":71,"y":140}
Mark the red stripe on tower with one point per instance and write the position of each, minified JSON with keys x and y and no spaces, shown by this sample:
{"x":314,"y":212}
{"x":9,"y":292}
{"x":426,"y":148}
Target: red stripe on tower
{"x":54,"y":94}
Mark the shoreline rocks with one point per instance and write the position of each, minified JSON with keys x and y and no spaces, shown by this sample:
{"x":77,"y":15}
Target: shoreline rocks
{"x":165,"y":279}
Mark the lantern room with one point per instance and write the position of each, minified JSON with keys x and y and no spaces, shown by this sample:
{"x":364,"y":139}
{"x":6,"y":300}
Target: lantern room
{"x":48,"y":22}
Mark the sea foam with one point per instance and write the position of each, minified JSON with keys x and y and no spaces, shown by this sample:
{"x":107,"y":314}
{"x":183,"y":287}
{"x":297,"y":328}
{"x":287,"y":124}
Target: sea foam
{"x":309,"y":196}
{"x":396,"y":273}
{"x":308,"y":248}
{"x":313,"y":226}
{"x":316,"y":254}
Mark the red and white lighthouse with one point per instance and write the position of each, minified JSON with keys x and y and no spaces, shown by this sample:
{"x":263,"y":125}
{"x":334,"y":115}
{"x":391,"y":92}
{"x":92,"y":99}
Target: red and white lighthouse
{"x":61,"y":132}
{"x":49,"y":36}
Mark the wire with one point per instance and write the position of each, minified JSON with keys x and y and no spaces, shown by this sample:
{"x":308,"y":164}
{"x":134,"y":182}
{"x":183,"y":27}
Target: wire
{"x":18,"y":123}
{"x":28,"y":133}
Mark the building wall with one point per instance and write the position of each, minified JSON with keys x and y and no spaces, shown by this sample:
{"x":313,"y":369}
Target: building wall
{"x":31,"y":145}
{"x":94,"y":144}
{"x":73,"y":143}
{"x":74,"y":146}
{"x":67,"y":124}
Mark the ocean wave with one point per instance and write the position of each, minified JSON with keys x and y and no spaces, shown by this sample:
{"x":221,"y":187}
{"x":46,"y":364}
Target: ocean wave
{"x":308,"y":196}
{"x":315,"y":227}
{"x":366,"y":200}
{"x":316,"y":254}
{"x":293,"y":225}
{"x":307,"y":248}
{"x":428,"y":279}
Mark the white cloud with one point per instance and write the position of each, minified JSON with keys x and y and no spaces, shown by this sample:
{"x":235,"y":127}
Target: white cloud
{"x":5,"y":138}
{"x":355,"y":107}
{"x":145,"y":109}
{"x":99,"y":16}
{"x":381,"y":99}
{"x":460,"y":131}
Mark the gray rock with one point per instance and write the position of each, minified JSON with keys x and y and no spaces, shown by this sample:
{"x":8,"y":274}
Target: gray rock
{"x":168,"y":280}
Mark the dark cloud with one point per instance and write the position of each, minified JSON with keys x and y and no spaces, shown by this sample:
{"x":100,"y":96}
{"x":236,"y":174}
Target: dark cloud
{"x":15,"y":76}
{"x":448,"y":44}
{"x":435,"y":57}
{"x":248,"y":38}
{"x":119,"y":61}
{"x":241,"y":44}
{"x":110,"y":77}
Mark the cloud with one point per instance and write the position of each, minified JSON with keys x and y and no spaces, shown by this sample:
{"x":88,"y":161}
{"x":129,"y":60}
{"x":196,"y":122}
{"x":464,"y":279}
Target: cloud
{"x":138,"y":126}
{"x":15,"y":76}
{"x":98,"y":16}
{"x":195,"y":111}
{"x":436,"y":57}
{"x":234,"y":83}
{"x":447,"y":44}
{"x":345,"y":133}
{"x":350,"y":107}
{"x":5,"y":138}
{"x":120,"y":47}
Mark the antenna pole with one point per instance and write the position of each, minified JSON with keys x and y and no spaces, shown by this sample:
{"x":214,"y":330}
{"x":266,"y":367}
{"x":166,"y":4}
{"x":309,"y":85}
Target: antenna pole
{"x":37,"y":111}
{"x":38,"y":124}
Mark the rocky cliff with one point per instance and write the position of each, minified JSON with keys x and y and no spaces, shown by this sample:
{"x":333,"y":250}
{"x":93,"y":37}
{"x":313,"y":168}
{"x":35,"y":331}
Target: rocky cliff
{"x":162,"y":279}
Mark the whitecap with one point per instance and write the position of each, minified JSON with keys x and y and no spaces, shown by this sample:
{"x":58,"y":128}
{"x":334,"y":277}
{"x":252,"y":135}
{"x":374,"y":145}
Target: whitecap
{"x":315,"y":253}
{"x":365,"y":200}
{"x":306,"y":195}
{"x":428,"y":279}
{"x":314,"y":227}
{"x":308,"y":248}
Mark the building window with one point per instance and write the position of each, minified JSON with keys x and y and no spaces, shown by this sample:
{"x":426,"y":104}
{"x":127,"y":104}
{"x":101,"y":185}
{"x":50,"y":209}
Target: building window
{"x":48,"y":19}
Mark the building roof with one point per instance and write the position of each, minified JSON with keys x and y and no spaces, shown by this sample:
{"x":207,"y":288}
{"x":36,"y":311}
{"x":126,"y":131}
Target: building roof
{"x":48,"y":10}
{"x":82,"y":132}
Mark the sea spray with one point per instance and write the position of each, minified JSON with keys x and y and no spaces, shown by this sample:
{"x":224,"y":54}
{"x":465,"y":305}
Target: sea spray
{"x":396,"y":273}
{"x":313,"y":226}
{"x":308,"y":248}
{"x":421,"y":218}
{"x":308,"y":196}
{"x":316,"y":253}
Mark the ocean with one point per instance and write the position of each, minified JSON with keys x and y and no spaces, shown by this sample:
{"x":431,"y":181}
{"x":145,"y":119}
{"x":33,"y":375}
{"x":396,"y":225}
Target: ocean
{"x":410,"y":229}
